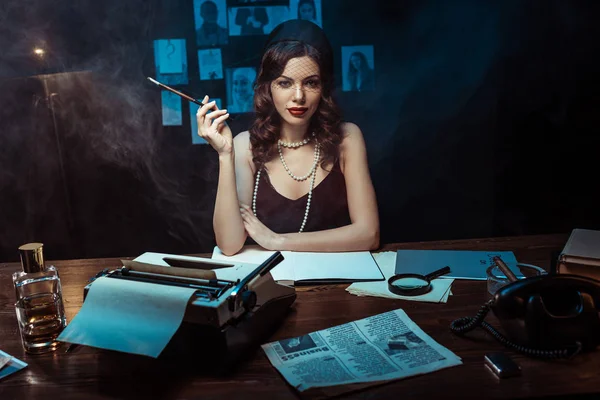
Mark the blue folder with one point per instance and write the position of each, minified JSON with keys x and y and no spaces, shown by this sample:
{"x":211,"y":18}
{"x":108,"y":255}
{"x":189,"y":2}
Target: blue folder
{"x":463,"y":264}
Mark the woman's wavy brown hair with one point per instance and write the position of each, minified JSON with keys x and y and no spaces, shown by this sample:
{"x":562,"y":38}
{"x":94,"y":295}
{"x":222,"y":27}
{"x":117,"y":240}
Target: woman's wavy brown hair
{"x":325,"y":123}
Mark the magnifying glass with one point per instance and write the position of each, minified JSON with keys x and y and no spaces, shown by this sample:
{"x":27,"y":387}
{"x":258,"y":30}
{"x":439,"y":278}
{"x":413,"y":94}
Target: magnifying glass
{"x":414,"y":284}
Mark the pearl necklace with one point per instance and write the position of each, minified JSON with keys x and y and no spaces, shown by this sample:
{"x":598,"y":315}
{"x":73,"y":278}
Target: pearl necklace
{"x":312,"y":174}
{"x":294,"y":144}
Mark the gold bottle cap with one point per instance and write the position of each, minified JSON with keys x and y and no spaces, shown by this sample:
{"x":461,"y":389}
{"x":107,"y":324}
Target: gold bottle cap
{"x":32,"y":257}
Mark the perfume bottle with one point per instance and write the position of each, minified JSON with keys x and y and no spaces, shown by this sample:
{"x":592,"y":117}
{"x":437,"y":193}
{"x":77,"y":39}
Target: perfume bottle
{"x":39,"y":305}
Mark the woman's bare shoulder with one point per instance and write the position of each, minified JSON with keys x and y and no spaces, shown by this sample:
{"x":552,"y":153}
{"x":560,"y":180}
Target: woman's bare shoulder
{"x":242,"y":138}
{"x":352,"y":143}
{"x":243,"y":149}
{"x":351,"y":134}
{"x":241,"y":143}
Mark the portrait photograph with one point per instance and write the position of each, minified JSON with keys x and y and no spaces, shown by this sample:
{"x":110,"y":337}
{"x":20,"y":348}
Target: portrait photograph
{"x":235,"y":3}
{"x":309,"y":10}
{"x":247,"y":21}
{"x":240,"y":92}
{"x":210,"y":17}
{"x":358,"y":68}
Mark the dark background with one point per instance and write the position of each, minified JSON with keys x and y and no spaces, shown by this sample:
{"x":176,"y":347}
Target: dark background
{"x":483,"y":122}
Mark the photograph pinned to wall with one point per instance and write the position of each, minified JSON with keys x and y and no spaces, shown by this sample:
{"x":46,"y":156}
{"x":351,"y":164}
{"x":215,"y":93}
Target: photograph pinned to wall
{"x":210,"y":18}
{"x":170,"y":61}
{"x":210,"y":64}
{"x":358,"y":68}
{"x":235,"y":3}
{"x":309,"y":10}
{"x":240,"y":89}
{"x":246,"y":21}
{"x":171,"y":108}
{"x":194,"y":123}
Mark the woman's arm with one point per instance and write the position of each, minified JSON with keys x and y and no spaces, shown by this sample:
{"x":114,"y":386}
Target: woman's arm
{"x":361,"y":234}
{"x":227,"y":220}
{"x":235,"y":184}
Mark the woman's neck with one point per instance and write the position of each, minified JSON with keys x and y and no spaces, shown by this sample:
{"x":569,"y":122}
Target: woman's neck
{"x":289,"y":133}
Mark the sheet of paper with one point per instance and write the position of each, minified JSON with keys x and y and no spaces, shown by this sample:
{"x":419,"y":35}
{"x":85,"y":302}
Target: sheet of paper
{"x":352,"y":266}
{"x":308,"y":266}
{"x":10,"y":366}
{"x":171,"y":54}
{"x":464,"y":264}
{"x":378,"y":348}
{"x":4,"y":360}
{"x":387,"y":263}
{"x":171,"y":109}
{"x":128,"y":316}
{"x":257,"y":255}
{"x":238,"y":271}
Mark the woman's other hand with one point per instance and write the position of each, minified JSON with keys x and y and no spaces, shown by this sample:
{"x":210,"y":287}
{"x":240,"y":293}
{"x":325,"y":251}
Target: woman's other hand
{"x":262,"y":235}
{"x":212,"y":127}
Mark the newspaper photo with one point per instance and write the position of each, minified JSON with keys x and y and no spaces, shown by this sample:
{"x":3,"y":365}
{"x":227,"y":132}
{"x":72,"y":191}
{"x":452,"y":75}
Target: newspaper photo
{"x":383,"y":347}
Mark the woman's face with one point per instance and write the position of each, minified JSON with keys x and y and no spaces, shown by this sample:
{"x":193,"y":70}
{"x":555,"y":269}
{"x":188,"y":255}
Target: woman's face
{"x":356,"y":61}
{"x":242,"y":89}
{"x":306,"y":11}
{"x":297,"y":92}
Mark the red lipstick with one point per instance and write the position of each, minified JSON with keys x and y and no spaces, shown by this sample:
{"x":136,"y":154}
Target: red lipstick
{"x":297,"y":111}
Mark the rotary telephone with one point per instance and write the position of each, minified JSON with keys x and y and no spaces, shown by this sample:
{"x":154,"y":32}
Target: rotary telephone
{"x":551,"y":316}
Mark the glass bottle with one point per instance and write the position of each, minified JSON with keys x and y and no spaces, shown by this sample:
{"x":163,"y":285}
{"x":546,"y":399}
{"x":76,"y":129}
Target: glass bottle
{"x":39,"y":305}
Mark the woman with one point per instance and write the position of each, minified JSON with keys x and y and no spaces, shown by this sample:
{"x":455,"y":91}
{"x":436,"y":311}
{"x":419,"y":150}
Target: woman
{"x":307,"y":10}
{"x":360,"y":75}
{"x":298,"y":179}
{"x":241,"y":90}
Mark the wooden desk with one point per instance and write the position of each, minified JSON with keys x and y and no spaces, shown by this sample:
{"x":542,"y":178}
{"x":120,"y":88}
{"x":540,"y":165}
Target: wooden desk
{"x":94,"y":374}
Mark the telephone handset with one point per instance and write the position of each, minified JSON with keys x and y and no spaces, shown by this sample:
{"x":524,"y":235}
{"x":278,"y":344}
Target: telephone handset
{"x":551,"y":316}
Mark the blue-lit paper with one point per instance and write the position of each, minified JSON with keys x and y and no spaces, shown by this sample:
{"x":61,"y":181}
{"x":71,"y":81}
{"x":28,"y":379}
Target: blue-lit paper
{"x":246,"y":21}
{"x":128,"y":316}
{"x":170,"y":56}
{"x":358,"y":68}
{"x":210,"y":21}
{"x":171,"y":108}
{"x":464,"y":264}
{"x":210,"y":64}
{"x":11,"y":366}
{"x":240,"y":89}
{"x":310,"y":11}
{"x":170,"y":61}
{"x":194,"y":123}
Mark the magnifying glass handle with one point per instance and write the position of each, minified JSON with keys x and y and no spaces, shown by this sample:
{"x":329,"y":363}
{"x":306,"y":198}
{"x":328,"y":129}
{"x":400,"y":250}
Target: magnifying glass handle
{"x":438,"y":273}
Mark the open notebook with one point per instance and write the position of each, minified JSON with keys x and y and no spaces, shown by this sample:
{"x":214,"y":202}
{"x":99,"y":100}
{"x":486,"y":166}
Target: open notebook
{"x":312,"y":268}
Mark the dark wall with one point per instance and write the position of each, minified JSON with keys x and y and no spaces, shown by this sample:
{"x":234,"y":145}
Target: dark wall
{"x":482,"y":123}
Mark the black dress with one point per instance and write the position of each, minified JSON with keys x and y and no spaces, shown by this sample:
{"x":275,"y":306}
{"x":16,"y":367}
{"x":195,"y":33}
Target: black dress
{"x":328,"y":206}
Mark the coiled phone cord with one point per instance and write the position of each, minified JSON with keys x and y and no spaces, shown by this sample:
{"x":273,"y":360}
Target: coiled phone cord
{"x":466,"y":324}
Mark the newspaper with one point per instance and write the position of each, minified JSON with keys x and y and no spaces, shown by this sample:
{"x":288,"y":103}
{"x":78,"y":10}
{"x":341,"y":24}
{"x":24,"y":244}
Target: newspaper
{"x":383,"y":347}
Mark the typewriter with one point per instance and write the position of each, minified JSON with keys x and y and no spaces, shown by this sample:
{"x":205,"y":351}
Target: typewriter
{"x":225,"y":318}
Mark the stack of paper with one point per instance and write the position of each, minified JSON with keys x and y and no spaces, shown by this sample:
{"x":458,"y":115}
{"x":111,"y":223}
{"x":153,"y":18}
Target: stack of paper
{"x":312,"y":268}
{"x":387,"y":264}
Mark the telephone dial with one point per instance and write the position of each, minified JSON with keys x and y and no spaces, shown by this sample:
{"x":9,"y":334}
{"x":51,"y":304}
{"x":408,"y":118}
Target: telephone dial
{"x":551,"y":316}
